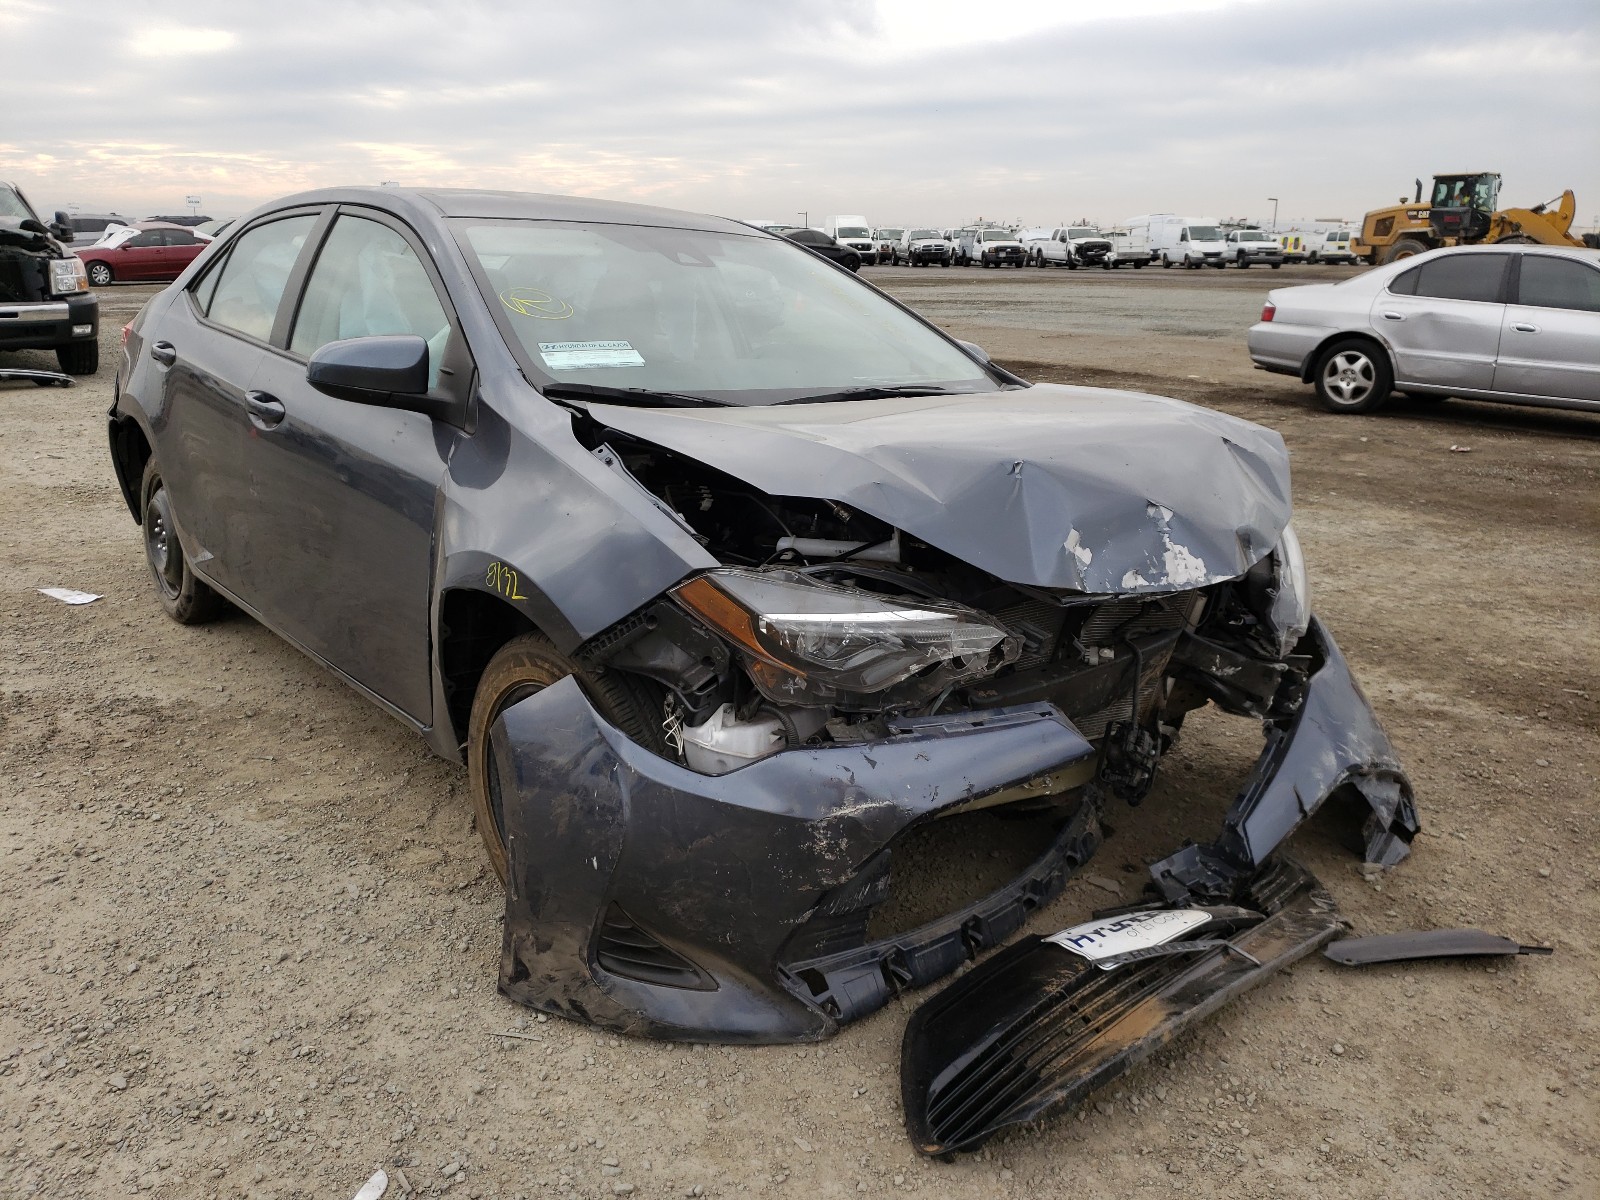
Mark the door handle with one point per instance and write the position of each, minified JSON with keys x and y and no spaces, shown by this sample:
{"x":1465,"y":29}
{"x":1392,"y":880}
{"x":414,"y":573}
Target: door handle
{"x":266,"y":411}
{"x":164,"y":353}
{"x":1522,"y":328}
{"x":1394,"y":316}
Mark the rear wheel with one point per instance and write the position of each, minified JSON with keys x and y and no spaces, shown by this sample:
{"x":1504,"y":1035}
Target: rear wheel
{"x":183,"y":596}
{"x":79,"y":358}
{"x":521,"y":668}
{"x":1353,"y":376}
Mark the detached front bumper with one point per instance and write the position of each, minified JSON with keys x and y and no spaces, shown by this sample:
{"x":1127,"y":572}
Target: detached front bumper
{"x":649,"y":899}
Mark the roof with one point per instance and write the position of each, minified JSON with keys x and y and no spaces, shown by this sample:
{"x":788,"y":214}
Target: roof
{"x":528,"y":206}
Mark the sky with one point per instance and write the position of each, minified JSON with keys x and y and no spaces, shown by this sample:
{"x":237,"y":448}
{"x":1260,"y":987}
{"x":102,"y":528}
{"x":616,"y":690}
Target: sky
{"x":905,"y":111}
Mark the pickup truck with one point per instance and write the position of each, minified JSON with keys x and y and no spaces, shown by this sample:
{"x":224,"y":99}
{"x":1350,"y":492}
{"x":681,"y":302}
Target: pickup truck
{"x":991,"y":248}
{"x":45,"y":301}
{"x":919,"y":247}
{"x":1070,"y":246}
{"x":1246,"y":247}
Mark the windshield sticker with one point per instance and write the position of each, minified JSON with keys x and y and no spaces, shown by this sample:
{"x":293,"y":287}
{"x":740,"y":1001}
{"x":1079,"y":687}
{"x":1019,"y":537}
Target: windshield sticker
{"x":574,"y":356}
{"x":531,"y":302}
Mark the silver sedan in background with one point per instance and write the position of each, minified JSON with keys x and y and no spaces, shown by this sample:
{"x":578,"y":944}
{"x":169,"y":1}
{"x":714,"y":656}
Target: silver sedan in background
{"x":1515,"y":323}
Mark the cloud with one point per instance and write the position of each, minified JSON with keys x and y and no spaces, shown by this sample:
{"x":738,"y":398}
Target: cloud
{"x":177,"y":41}
{"x":927,"y":112}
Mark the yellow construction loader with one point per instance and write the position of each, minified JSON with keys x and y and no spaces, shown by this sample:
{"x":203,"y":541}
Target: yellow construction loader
{"x":1461,"y":212}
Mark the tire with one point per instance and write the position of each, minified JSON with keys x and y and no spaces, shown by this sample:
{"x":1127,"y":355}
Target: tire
{"x":944,"y":262}
{"x":79,"y":358}
{"x":1165,"y":262}
{"x":1072,"y":263}
{"x":1276,"y":265}
{"x":1188,"y":265}
{"x":183,"y":596}
{"x":1017,"y":264}
{"x":1137,"y":265}
{"x":853,"y":263}
{"x":100,"y":274}
{"x":1312,"y":257}
{"x":1244,"y":263}
{"x":521,"y":667}
{"x":1353,"y":376}
{"x":1405,"y":248}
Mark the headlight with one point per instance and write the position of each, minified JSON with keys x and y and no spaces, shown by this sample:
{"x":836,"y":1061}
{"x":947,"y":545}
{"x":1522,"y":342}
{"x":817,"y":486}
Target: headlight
{"x":67,"y":276}
{"x":1289,"y":595}
{"x":813,"y":643}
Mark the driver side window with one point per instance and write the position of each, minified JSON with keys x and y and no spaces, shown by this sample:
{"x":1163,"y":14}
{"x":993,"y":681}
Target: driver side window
{"x":368,"y":281}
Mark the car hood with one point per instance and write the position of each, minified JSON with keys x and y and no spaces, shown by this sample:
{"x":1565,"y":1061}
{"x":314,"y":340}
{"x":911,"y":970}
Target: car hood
{"x":1064,"y":487}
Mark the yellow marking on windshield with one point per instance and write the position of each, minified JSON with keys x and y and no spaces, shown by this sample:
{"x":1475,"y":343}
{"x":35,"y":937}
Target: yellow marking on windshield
{"x":531,"y":302}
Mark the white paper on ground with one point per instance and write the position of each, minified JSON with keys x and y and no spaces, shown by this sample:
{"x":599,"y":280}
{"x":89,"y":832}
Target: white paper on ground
{"x":374,"y":1187}
{"x":70,"y":596}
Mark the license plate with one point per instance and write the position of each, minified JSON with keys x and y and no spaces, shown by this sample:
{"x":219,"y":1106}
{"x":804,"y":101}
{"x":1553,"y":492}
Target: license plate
{"x":1097,"y":940}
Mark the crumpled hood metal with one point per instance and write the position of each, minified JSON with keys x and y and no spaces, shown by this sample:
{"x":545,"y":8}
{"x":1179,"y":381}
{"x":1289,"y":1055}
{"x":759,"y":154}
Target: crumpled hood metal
{"x":1065,"y":487}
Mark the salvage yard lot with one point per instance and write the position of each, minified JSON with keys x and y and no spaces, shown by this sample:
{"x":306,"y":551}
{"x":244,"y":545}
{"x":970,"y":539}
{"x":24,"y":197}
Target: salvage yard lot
{"x":251,"y":943}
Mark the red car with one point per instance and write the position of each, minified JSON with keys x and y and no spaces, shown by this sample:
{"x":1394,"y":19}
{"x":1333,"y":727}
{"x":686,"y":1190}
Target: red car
{"x":149,"y":250}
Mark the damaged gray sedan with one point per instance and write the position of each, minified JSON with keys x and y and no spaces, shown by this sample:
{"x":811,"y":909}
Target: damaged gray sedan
{"x":726,"y":577}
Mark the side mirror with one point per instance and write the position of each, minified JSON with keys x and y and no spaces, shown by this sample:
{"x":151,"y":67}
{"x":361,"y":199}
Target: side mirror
{"x":977,"y":351}
{"x":61,"y":227}
{"x":390,"y":371}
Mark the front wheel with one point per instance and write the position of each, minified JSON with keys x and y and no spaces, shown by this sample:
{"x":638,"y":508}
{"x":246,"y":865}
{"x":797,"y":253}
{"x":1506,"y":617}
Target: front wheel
{"x":1276,"y":265}
{"x":1353,"y":376}
{"x":79,"y":358}
{"x":183,"y":596}
{"x":99,"y":274}
{"x":521,"y":668}
{"x":1243,"y":262}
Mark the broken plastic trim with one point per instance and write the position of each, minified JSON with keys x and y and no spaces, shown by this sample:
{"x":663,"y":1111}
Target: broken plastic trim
{"x":1037,"y":1027}
{"x":1425,"y":943}
{"x":1329,"y":740}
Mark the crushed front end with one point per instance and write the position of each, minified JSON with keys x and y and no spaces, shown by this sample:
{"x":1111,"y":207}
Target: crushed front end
{"x":842,"y":686}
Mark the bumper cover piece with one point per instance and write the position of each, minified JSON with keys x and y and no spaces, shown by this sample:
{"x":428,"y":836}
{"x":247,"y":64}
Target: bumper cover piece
{"x":628,"y":872}
{"x":1037,"y":1027}
{"x":1425,"y":943}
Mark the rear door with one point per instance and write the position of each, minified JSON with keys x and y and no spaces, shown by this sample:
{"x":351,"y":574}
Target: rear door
{"x":1550,"y":342}
{"x":1442,"y":319}
{"x":209,"y":349}
{"x":179,"y":248}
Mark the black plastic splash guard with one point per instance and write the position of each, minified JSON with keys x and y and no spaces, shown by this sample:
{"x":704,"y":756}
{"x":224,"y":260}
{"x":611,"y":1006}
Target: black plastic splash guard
{"x":1037,"y":1027}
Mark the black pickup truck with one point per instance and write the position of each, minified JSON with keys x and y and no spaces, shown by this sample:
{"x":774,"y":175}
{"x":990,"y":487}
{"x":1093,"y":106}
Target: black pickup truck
{"x":45,"y":302}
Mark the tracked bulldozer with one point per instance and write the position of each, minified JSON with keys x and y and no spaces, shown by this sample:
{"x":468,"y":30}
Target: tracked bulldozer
{"x":1461,"y":211}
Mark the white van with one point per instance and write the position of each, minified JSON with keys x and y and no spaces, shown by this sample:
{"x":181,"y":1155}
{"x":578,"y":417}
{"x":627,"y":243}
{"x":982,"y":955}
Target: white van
{"x":855,"y":232}
{"x":1330,"y":246}
{"x":1192,"y":242}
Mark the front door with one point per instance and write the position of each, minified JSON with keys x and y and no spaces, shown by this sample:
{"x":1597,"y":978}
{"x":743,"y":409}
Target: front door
{"x":336,"y":524}
{"x":1550,"y":345}
{"x":1442,"y":320}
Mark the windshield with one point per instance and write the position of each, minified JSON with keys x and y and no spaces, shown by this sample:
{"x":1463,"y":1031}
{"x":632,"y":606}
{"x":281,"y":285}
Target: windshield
{"x":1252,"y":235}
{"x":926,"y":233}
{"x":996,"y":235}
{"x":1204,"y":233}
{"x":12,"y":205}
{"x":855,"y":231}
{"x":1084,"y":231}
{"x":891,"y":235}
{"x":743,"y":319}
{"x":1339,"y":235}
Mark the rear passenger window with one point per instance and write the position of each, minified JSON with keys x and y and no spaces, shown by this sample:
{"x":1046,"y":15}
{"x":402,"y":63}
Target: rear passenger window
{"x":368,"y":281}
{"x":250,"y":284}
{"x":1405,"y":284}
{"x":1559,"y":283}
{"x":1463,"y":277}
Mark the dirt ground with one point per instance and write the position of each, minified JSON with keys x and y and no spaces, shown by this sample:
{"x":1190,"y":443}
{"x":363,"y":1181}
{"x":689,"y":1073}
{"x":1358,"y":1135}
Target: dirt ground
{"x":250,"y":944}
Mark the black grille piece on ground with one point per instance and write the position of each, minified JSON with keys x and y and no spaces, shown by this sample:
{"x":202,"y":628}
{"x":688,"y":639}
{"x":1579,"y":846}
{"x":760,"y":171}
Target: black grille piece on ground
{"x":626,"y":950}
{"x":1037,"y":1026}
